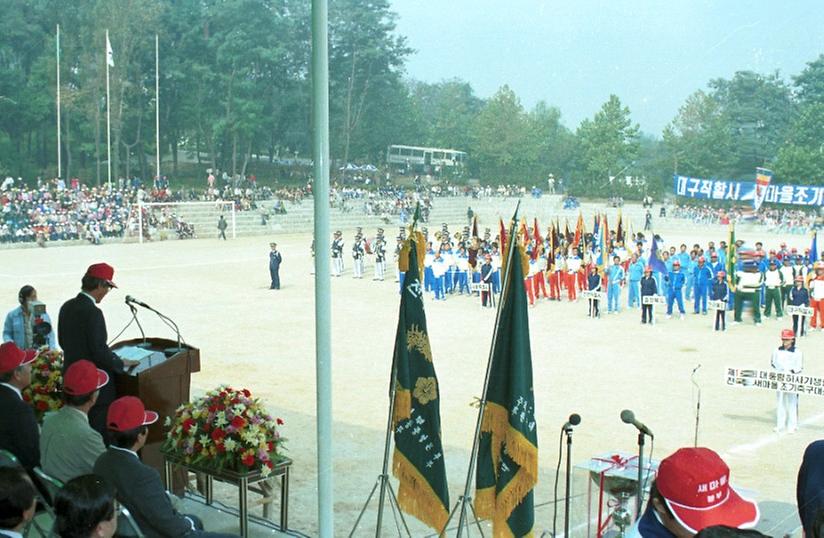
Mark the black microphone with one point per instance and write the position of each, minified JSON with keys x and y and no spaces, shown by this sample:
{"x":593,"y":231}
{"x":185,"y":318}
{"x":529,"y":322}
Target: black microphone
{"x":574,"y":420}
{"x":130,"y":299}
{"x":628,"y":417}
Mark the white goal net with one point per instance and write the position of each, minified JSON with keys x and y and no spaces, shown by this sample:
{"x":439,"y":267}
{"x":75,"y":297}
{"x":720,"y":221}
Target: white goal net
{"x":159,"y":221}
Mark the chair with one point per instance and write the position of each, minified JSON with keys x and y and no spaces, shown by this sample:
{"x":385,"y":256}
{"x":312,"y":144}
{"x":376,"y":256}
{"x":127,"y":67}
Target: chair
{"x":48,"y":483}
{"x":126,"y":525}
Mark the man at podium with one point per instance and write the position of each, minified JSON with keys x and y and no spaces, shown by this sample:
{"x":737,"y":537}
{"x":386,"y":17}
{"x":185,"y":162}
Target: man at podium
{"x":81,"y":331}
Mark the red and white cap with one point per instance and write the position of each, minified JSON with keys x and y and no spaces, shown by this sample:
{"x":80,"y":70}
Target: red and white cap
{"x":83,"y":377}
{"x":12,"y":357}
{"x":695,"y":483}
{"x":103,"y":271}
{"x":787,"y":334}
{"x":128,"y":413}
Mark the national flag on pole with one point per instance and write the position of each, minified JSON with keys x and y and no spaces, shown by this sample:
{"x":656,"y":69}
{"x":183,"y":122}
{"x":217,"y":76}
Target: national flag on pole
{"x":763,"y":177}
{"x":109,"y":53}
{"x":814,"y":248}
{"x":655,"y":260}
{"x":418,"y":461}
{"x":508,"y":447}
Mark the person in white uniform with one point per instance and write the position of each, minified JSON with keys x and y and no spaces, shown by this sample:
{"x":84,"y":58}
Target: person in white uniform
{"x":787,"y":360}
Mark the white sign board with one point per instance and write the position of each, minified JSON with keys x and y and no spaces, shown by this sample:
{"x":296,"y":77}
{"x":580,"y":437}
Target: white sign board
{"x":772,"y":380}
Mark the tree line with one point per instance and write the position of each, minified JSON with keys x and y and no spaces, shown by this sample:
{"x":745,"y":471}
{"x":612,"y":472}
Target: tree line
{"x":235,"y":92}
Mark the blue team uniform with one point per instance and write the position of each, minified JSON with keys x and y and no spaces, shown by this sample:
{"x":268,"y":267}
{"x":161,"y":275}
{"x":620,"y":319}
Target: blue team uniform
{"x":615,"y":274}
{"x":702,"y":279}
{"x":675,"y":281}
{"x":636,"y":271}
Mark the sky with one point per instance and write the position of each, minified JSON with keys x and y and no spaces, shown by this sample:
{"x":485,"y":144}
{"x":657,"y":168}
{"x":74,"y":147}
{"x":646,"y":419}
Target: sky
{"x":573,"y":54}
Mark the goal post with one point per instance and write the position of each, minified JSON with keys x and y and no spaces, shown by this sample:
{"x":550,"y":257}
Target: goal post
{"x":152,"y":221}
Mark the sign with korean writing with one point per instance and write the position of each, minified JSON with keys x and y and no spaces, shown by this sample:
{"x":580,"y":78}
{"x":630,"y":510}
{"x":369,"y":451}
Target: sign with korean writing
{"x":793,"y":310}
{"x":717,"y":305}
{"x":772,"y":380}
{"x":723,"y":189}
{"x":654,"y":299}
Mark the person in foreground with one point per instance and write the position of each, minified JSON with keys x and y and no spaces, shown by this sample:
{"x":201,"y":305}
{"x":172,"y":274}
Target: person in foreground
{"x":17,"y":502}
{"x":137,"y":486}
{"x":85,"y":509}
{"x":692,"y":492}
{"x":19,"y":433}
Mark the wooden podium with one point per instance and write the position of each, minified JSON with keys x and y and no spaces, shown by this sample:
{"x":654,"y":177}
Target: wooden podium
{"x":162,"y":384}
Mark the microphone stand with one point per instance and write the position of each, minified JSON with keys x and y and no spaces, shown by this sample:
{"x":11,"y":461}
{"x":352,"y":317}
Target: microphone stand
{"x":640,"y":493}
{"x":144,"y":344}
{"x":568,"y":432}
{"x":697,"y":407}
{"x":168,"y":321}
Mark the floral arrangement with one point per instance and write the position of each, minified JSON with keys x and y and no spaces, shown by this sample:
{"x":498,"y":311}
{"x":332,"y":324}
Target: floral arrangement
{"x":46,"y":382}
{"x":226,"y":429}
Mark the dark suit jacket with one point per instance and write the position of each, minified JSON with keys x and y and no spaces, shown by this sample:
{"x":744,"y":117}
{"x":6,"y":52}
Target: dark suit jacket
{"x":81,"y":331}
{"x":19,"y":433}
{"x":138,"y":488}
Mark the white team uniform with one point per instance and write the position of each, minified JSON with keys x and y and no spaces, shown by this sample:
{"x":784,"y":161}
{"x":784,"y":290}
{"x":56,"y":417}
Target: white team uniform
{"x":785,"y":361}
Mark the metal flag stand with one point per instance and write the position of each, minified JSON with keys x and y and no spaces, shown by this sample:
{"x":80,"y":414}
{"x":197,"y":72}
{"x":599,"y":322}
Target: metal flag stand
{"x":465,"y":500}
{"x":382,"y":481}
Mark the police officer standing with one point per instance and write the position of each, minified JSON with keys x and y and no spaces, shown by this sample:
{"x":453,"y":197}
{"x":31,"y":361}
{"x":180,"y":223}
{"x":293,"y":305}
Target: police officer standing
{"x":275,"y":260}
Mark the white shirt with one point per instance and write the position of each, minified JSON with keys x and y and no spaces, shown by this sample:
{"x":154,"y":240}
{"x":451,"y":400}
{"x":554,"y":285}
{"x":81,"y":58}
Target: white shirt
{"x":787,"y":361}
{"x":772,"y":278}
{"x":817,"y":288}
{"x":788,"y":274}
{"x":132,"y":452}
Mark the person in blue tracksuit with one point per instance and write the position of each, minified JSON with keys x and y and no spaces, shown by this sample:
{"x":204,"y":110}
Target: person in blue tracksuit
{"x":702,"y":277}
{"x":634,"y":273}
{"x":615,"y":277}
{"x":689,"y":273}
{"x":720,"y":291}
{"x":428,"y":276}
{"x":716,"y":265}
{"x":675,"y":280}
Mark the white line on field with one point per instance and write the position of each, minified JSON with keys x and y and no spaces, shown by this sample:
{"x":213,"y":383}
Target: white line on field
{"x":766,"y":440}
{"x":148,"y":268}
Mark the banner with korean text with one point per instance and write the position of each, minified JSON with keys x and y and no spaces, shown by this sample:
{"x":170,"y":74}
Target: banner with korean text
{"x":745,"y":191}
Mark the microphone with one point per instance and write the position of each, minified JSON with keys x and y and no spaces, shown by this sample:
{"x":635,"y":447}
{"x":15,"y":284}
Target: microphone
{"x":574,"y":420}
{"x":696,"y":368}
{"x":628,"y":417}
{"x":130,"y":299}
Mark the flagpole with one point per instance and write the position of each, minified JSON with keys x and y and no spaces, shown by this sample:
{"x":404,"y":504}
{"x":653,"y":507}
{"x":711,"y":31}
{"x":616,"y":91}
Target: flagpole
{"x":482,"y":407}
{"x":157,"y":106}
{"x":108,"y":116}
{"x":59,"y":149}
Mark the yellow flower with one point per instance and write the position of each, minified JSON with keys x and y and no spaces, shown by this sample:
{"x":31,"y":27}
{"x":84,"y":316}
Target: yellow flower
{"x":426,"y":390}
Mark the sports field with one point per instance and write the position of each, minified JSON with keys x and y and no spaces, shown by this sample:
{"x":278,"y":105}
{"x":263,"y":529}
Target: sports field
{"x":263,"y":340}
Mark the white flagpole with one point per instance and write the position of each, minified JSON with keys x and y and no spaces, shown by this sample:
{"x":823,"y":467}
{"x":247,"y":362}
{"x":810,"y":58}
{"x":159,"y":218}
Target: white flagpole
{"x":108,"y":116}
{"x":157,"y":106}
{"x":59,"y":153}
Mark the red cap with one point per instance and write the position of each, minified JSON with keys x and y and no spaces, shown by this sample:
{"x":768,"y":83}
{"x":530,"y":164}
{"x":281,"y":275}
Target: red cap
{"x":83,"y":377}
{"x":12,"y":357}
{"x":787,"y":334}
{"x":128,"y":413}
{"x":695,"y":483}
{"x":103,"y":271}
{"x":676,"y":262}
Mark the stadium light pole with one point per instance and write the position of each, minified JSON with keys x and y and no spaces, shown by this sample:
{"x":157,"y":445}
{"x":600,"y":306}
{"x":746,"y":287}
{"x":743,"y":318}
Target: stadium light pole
{"x":323,"y":284}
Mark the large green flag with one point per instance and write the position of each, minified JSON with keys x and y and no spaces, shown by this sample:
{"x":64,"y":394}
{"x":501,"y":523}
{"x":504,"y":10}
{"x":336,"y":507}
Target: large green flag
{"x":732,"y":258}
{"x":418,"y":460}
{"x":508,"y":448}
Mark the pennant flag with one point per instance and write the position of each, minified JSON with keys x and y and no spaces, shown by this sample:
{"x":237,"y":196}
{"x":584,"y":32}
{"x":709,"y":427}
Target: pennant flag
{"x":418,"y":461}
{"x":567,"y":234}
{"x":109,"y":53}
{"x":525,"y":232}
{"x":603,"y":241}
{"x":539,"y":242}
{"x":814,"y":248}
{"x":605,"y":234}
{"x":655,"y":260}
{"x":619,"y":230}
{"x":475,"y":225}
{"x":508,"y":447}
{"x":763,"y":177}
{"x":732,"y":258}
{"x":550,"y":257}
{"x":579,"y":230}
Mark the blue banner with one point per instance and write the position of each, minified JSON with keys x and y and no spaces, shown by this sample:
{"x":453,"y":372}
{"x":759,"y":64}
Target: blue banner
{"x":722,"y":189}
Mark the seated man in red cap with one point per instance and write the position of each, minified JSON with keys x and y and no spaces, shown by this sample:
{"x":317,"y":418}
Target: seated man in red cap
{"x":68,"y":444}
{"x":692,"y":492}
{"x":81,"y":331}
{"x":135,"y":485}
{"x":19,"y":433}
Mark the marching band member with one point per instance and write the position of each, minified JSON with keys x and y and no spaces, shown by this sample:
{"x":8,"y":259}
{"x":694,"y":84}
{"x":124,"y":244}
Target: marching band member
{"x":428,"y":276}
{"x":358,"y":253}
{"x":462,"y":273}
{"x":337,"y":254}
{"x":439,"y":268}
{"x":539,"y":278}
{"x":787,"y":359}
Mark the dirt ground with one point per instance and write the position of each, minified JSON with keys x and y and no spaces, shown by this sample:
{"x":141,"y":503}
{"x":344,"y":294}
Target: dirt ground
{"x":263,"y":340}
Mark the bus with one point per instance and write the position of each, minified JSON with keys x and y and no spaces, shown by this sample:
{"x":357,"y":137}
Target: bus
{"x":423,"y":159}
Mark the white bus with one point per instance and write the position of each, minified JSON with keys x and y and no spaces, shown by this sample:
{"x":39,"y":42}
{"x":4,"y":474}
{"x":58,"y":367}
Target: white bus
{"x":423,"y":158}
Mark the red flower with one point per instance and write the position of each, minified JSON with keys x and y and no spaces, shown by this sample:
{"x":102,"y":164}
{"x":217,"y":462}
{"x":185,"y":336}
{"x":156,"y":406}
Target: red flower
{"x":248,"y":460}
{"x":187,"y":425}
{"x":235,"y":401}
{"x":238,"y":423}
{"x":270,"y":446}
{"x":247,"y":393}
{"x":218,"y":434}
{"x":220,"y":448}
{"x":269,"y":464}
{"x":207,"y":428}
{"x":280,"y":422}
{"x":212,"y":408}
{"x":41,"y":405}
